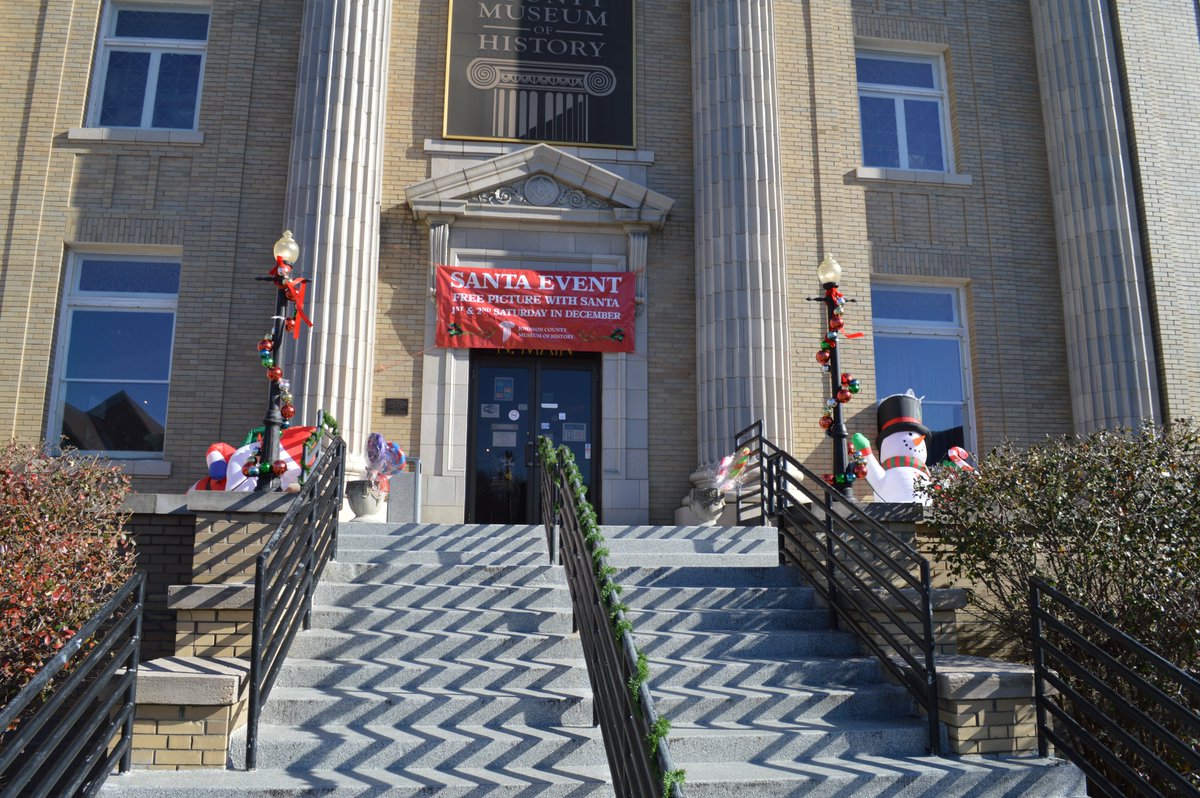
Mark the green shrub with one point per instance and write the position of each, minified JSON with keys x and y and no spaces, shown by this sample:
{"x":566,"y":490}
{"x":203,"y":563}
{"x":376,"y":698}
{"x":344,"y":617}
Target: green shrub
{"x":63,"y":552}
{"x":1111,"y":518}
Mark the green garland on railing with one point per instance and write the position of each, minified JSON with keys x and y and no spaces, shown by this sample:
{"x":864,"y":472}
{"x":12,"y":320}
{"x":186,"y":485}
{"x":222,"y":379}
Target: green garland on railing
{"x":610,"y":591}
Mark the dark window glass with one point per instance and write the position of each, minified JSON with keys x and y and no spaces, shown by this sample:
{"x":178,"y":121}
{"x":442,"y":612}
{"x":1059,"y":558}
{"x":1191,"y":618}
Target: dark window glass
{"x":881,"y":145}
{"x":162,"y":25}
{"x":115,"y":416}
{"x":129,"y":277}
{"x":177,"y":92}
{"x":890,"y":303}
{"x":124,"y":89}
{"x":923,"y":128}
{"x":119,"y":345}
{"x":895,"y":73}
{"x":931,"y":366}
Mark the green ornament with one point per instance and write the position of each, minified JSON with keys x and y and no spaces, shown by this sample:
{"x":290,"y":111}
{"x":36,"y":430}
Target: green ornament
{"x":267,"y":362}
{"x":826,"y":346}
{"x":854,"y":387}
{"x":264,"y":468}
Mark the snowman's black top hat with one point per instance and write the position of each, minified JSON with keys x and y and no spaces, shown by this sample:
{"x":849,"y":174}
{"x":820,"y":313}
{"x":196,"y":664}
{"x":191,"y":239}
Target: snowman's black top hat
{"x":899,"y":412}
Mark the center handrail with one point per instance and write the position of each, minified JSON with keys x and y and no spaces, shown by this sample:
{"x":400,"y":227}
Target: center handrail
{"x":635,"y":742}
{"x":873,"y":581}
{"x":286,"y":573}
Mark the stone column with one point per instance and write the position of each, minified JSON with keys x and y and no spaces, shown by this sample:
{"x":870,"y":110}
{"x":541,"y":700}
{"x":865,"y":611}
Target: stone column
{"x":1110,"y":349}
{"x":741,"y":302}
{"x":333,"y":203}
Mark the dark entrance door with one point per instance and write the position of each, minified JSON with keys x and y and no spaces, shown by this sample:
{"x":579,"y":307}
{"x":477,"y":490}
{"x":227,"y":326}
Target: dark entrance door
{"x":514,"y":399}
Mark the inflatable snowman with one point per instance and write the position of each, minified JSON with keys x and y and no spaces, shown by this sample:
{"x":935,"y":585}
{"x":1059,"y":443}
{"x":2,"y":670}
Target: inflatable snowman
{"x":900,"y":468}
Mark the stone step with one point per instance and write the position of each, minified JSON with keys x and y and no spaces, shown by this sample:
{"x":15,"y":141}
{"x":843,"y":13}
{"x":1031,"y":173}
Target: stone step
{"x":716,"y":576}
{"x":392,"y":619}
{"x":804,"y":739}
{"x":381,"y":595}
{"x":439,"y":533}
{"x":868,"y":776}
{"x":718,"y":598}
{"x":485,"y":557}
{"x":447,"y":544}
{"x":728,"y":620}
{"x":331,"y":644}
{"x":455,"y":575}
{"x":649,"y":533}
{"x":319,"y":707}
{"x":464,"y":782}
{"x":396,"y":750}
{"x":751,"y":707}
{"x":710,"y":645}
{"x":791,"y":672}
{"x":411,"y":674}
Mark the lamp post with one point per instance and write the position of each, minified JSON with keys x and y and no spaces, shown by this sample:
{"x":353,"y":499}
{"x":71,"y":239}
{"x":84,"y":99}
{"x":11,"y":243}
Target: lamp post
{"x":286,"y":252}
{"x":829,"y":274}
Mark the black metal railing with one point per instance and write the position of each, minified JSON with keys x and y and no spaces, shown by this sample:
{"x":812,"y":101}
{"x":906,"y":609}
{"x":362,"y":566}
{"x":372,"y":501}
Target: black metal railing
{"x":612,"y":659}
{"x":875,"y":583}
{"x":750,"y":494}
{"x":285,"y":574}
{"x":69,"y":744}
{"x":1127,"y":717}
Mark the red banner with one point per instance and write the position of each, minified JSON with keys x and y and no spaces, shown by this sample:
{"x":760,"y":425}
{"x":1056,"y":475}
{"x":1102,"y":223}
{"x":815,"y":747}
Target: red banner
{"x":523,"y":309}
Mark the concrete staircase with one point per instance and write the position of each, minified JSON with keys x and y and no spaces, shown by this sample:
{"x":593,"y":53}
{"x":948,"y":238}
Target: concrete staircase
{"x":764,"y":699}
{"x":441,"y":662}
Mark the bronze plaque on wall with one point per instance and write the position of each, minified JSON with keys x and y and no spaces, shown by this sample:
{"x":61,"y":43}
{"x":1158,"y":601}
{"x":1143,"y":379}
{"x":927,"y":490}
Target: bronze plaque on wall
{"x":559,"y":71}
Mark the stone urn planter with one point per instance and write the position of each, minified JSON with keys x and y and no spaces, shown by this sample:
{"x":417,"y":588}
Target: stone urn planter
{"x":363,"y":497}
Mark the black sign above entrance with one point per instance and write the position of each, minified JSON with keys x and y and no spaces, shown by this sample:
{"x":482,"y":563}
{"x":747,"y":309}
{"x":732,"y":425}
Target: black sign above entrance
{"x":558,"y":71}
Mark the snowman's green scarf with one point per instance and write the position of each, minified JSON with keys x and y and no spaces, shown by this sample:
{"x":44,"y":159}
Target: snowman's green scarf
{"x":905,"y":460}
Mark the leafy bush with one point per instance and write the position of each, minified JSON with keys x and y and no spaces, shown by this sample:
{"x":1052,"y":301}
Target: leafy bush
{"x":1112,"y":519}
{"x":63,"y":550}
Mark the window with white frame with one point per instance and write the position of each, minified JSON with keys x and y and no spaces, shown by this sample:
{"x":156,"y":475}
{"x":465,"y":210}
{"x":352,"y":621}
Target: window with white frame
{"x":902,"y":105}
{"x":149,"y":66}
{"x":920,"y":343}
{"x":113,"y":367}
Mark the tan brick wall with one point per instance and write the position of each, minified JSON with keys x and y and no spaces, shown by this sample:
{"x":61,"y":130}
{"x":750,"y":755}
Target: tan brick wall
{"x":990,"y":726}
{"x":995,"y":236}
{"x":214,"y":633}
{"x":1162,"y":68}
{"x":183,"y":737}
{"x":164,"y":552}
{"x":220,"y":204}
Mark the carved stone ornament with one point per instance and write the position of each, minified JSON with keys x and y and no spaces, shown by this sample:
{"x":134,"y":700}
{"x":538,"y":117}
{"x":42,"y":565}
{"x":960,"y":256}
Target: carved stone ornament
{"x":541,"y":191}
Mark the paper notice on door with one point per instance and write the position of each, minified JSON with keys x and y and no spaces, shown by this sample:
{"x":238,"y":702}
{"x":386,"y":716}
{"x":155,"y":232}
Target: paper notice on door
{"x":562,"y":416}
{"x":587,"y":451}
{"x":574,"y":433}
{"x":504,"y":436}
{"x":489,"y":411}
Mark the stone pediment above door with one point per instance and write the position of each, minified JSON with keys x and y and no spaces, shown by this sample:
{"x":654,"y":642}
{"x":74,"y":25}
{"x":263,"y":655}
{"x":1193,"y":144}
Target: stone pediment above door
{"x":538,"y":184}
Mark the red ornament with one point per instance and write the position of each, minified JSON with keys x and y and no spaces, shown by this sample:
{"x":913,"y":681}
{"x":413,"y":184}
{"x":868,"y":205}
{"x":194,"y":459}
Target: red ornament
{"x":827,"y":478}
{"x":266,"y":345}
{"x":287,"y":411}
{"x":290,"y":324}
{"x":847,"y":379}
{"x":843,"y":396}
{"x":274,"y":374}
{"x":823,"y":357}
{"x":249,"y":467}
{"x":860,"y":471}
{"x":836,"y":323}
{"x":278,"y":468}
{"x":826,"y":422}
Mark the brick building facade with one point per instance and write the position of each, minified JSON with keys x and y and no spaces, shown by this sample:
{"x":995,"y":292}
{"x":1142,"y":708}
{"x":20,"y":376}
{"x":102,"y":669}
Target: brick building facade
{"x":1006,"y":186}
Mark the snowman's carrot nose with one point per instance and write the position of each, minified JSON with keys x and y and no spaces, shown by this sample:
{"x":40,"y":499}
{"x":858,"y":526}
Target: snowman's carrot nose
{"x":917,"y":441}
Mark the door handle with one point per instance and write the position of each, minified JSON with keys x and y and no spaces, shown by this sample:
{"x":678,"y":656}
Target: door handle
{"x":530,"y":459}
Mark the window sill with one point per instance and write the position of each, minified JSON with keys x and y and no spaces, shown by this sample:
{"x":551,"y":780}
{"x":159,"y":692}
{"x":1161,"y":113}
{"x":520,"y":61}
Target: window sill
{"x":877,"y":173}
{"x":190,"y":138}
{"x":144,"y":468}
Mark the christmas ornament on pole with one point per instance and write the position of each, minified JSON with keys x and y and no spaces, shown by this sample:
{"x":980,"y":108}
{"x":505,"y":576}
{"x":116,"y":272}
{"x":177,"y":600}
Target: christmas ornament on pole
{"x":266,"y":463}
{"x":847,"y":465}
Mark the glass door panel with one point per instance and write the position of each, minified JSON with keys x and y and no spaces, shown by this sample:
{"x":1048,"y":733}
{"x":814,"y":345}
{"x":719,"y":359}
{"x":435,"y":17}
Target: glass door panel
{"x":501,"y":427}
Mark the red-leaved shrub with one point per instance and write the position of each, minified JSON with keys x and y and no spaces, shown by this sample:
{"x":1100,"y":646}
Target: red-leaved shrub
{"x":62,"y":553}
